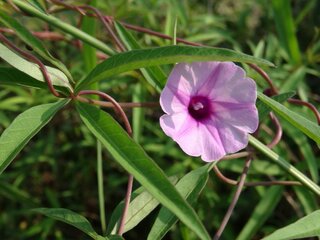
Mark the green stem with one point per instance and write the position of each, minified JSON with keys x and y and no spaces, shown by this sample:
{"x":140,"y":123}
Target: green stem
{"x":64,"y":27}
{"x":285,"y":165}
{"x":89,"y":26}
{"x":101,"y":188}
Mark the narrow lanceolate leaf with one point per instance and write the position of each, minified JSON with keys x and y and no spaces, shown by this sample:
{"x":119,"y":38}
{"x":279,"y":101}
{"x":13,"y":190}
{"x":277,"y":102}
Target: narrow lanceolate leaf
{"x":69,"y":217}
{"x":26,"y":36}
{"x":139,"y":208}
{"x":115,"y":237}
{"x":286,"y":29}
{"x":285,"y":165}
{"x":23,"y":128}
{"x":14,"y":77}
{"x":154,"y":74}
{"x":311,"y":129}
{"x":305,"y":148}
{"x":190,"y":186}
{"x":264,"y":109}
{"x":305,"y":227}
{"x":141,"y":205}
{"x":67,"y":28}
{"x":132,"y":157}
{"x":57,"y":77}
{"x":141,"y":58}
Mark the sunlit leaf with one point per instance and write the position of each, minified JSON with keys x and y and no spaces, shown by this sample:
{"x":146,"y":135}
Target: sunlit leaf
{"x":141,"y":58}
{"x":67,"y":28}
{"x":305,"y":227}
{"x":154,"y":74}
{"x":294,"y":172}
{"x":311,"y":129}
{"x":13,"y":77}
{"x":57,"y":77}
{"x":264,"y":109}
{"x":26,"y":36}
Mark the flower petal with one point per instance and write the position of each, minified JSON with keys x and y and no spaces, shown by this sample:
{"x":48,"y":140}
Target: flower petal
{"x":227,"y":82}
{"x":243,"y":116}
{"x":188,"y":78}
{"x":212,"y":147}
{"x":233,"y":139}
{"x":183,"y":130}
{"x":172,"y":100}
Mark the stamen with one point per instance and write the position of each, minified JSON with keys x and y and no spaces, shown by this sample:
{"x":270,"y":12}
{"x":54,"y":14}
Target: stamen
{"x":199,"y":107}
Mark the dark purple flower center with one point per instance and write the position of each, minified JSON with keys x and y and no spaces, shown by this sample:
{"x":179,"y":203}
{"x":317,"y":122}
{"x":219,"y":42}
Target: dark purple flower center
{"x":199,"y":107}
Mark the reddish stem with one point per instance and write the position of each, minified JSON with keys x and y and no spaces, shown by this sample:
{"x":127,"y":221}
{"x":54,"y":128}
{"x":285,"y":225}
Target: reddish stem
{"x":126,"y":105}
{"x":274,"y":90}
{"x":154,"y":33}
{"x":33,"y":59}
{"x":126,"y":205}
{"x":278,"y":134}
{"x":234,"y":200}
{"x":106,"y":25}
{"x":110,"y":99}
{"x":69,"y":6}
{"x":308,"y":105}
{"x":252,"y":184}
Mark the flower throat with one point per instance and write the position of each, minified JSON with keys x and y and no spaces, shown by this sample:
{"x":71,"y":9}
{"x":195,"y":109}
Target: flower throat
{"x":199,"y":107}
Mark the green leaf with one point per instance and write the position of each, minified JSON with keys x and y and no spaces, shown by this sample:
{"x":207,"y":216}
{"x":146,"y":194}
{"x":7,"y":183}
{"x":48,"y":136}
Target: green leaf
{"x":23,"y":128}
{"x":133,"y":158}
{"x":261,"y":213}
{"x":305,"y":227}
{"x":286,"y":29}
{"x":190,"y":186}
{"x":139,"y":208}
{"x":307,"y":200}
{"x":303,"y":144}
{"x":311,"y":129}
{"x":264,"y":109}
{"x":57,"y":77}
{"x":73,"y":31}
{"x":294,"y":79}
{"x":39,"y":4}
{"x":116,"y":237}
{"x":14,"y":77}
{"x":89,"y":26}
{"x":154,"y":74}
{"x":285,"y":165}
{"x":69,"y":217}
{"x":26,"y":36}
{"x":141,"y":58}
{"x":138,"y":114}
{"x":141,"y":205}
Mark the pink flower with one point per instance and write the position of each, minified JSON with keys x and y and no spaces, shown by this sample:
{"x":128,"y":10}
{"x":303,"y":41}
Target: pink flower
{"x":210,"y":108}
